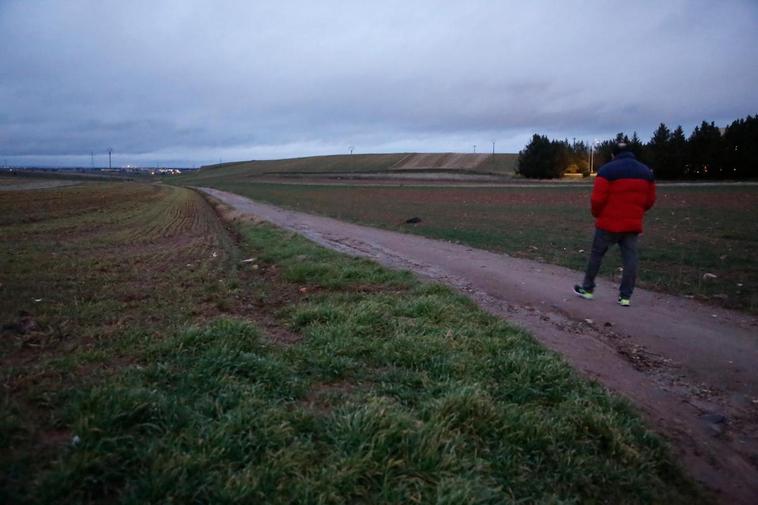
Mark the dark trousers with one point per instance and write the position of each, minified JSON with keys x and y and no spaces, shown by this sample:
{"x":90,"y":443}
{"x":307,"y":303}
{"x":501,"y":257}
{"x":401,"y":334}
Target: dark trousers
{"x":600,"y":244}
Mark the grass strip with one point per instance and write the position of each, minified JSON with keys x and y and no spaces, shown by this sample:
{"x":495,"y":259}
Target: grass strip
{"x":397,"y":392}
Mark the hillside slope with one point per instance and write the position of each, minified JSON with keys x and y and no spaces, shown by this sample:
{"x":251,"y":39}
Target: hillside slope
{"x":444,"y":161}
{"x":325,"y":166}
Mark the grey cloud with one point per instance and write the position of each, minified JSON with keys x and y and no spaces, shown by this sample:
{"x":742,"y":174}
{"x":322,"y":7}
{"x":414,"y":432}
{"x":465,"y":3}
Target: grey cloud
{"x":293,"y":78}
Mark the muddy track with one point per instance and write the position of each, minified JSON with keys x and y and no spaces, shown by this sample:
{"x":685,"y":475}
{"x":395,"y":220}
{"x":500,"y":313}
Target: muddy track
{"x":689,"y":367}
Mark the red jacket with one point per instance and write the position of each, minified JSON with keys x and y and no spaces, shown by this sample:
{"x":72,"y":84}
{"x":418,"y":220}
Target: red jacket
{"x":624,"y":189}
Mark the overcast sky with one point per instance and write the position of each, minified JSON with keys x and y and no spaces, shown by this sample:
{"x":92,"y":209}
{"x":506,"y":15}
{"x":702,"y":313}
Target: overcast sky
{"x":187,"y":83}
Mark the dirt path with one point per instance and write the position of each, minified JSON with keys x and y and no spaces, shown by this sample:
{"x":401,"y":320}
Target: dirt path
{"x":691,"y":368}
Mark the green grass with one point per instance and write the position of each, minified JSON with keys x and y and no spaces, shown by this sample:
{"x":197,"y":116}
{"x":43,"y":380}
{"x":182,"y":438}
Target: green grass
{"x":388,"y":391}
{"x":690,"y":232}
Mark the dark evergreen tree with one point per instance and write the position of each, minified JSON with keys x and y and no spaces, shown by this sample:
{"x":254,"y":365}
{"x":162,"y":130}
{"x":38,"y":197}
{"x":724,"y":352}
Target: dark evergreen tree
{"x":604,"y":150}
{"x":542,"y":159}
{"x":579,"y":158}
{"x":659,"y":153}
{"x":709,"y":152}
{"x":603,"y":153}
{"x":637,"y":147}
{"x":680,"y":165}
{"x":621,"y":138}
{"x":706,"y":152}
{"x":749,"y":148}
{"x":733,"y":141}
{"x":561,"y":158}
{"x":584,"y":159}
{"x":741,"y":148}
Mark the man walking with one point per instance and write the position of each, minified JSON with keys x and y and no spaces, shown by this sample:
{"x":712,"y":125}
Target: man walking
{"x":624,"y":190}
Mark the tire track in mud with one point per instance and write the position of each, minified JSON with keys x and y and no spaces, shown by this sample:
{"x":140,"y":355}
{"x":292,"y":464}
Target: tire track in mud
{"x":690,"y":368}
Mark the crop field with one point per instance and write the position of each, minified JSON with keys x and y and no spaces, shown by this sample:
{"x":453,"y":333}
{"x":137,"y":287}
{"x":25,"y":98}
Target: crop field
{"x":116,"y":245}
{"x":152,"y":352}
{"x":502,"y":164}
{"x":8,"y":181}
{"x":692,"y":231}
{"x":86,"y":272}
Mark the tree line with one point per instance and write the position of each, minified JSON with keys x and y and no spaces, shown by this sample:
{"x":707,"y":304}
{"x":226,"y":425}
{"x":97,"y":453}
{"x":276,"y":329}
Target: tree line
{"x":708,"y":153}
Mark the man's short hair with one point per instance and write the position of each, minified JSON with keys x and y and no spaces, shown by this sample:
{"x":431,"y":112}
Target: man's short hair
{"x":620,"y":147}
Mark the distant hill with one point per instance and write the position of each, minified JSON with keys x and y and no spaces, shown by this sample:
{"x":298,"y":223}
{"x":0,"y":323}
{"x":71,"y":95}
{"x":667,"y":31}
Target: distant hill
{"x":359,"y":164}
{"x":444,"y":161}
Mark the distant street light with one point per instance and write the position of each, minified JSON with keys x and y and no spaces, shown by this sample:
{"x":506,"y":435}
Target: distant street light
{"x":110,"y":151}
{"x":474,"y":148}
{"x":493,"y":147}
{"x":350,"y":149}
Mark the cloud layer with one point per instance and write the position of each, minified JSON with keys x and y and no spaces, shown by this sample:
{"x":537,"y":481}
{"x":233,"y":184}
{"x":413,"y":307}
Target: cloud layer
{"x":189,"y":82}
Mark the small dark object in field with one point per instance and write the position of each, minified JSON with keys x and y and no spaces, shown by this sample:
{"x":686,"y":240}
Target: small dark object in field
{"x":715,"y":423}
{"x":413,"y":220}
{"x":714,"y":418}
{"x":24,"y":325}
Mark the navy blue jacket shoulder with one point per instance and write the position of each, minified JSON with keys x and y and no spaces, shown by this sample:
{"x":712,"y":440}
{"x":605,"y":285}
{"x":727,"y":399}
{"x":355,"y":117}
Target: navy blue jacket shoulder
{"x":625,"y":166}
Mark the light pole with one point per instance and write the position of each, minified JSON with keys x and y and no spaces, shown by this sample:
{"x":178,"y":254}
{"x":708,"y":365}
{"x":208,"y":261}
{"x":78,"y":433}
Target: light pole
{"x":493,"y":148}
{"x":110,"y":151}
{"x":592,"y":155}
{"x":474,"y":148}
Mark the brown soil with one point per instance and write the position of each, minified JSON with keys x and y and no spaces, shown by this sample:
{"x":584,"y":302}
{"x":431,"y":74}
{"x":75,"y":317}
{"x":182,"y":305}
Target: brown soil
{"x":689,"y":367}
{"x":441,"y":160}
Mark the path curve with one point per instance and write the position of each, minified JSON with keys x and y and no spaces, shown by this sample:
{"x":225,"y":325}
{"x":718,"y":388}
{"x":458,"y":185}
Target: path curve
{"x":690,"y":368}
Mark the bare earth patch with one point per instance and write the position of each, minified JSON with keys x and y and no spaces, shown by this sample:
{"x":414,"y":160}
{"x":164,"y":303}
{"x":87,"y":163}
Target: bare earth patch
{"x":689,"y":367}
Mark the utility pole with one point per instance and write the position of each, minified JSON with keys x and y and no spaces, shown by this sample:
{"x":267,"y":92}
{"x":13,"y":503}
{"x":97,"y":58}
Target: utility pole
{"x":110,"y":151}
{"x":493,"y":148}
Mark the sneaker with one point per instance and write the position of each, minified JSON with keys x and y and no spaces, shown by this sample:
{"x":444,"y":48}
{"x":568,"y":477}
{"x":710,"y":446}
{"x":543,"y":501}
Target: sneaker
{"x":624,"y":302}
{"x":583,"y":293}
